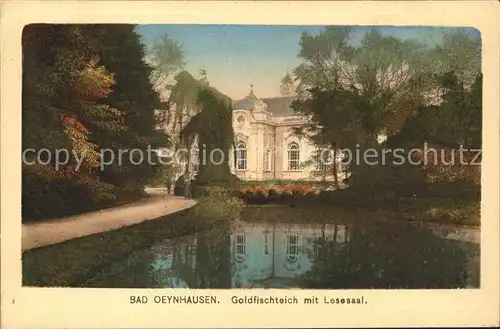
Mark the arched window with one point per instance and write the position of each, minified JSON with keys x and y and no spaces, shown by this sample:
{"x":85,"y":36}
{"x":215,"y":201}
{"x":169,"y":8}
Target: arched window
{"x":241,"y":156}
{"x":293,"y":156}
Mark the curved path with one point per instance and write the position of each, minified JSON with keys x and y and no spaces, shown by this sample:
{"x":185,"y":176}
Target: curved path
{"x":49,"y":232}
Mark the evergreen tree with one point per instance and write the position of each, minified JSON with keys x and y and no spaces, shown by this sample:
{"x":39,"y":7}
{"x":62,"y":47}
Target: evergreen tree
{"x":63,"y":85}
{"x":122,"y":52}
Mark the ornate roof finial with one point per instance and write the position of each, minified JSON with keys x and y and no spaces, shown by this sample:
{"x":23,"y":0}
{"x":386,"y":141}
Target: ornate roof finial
{"x":251,"y":87}
{"x":203,"y":74}
{"x":287,"y":85}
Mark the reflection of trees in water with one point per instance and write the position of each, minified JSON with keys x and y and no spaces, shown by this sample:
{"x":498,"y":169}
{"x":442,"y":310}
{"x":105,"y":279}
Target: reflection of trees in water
{"x":135,"y":272}
{"x":327,"y":256}
{"x":388,"y":257}
{"x":213,"y":260}
{"x":202,"y":261}
{"x":365,"y":255}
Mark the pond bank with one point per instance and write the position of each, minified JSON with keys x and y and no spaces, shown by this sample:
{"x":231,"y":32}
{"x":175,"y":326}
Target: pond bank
{"x":70,"y":263}
{"x":44,"y":233}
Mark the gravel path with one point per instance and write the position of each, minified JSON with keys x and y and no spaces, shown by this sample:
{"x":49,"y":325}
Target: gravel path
{"x":49,"y":232}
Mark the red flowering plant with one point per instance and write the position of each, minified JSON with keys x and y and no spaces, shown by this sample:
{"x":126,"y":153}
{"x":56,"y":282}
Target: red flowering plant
{"x":261,"y":191}
{"x":300,"y":190}
{"x":246,"y":193}
{"x":287,"y":190}
{"x":276,"y":193}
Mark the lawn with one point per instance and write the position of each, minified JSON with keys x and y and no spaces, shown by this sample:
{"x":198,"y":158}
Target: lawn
{"x":72,"y":262}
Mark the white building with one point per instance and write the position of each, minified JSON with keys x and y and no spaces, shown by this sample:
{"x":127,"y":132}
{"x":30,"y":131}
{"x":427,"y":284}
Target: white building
{"x":267,"y":145}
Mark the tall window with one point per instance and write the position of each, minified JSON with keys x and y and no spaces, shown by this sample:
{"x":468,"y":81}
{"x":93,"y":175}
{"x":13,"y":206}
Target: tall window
{"x":292,"y":247}
{"x":293,"y":156}
{"x":240,"y":247}
{"x":241,"y":156}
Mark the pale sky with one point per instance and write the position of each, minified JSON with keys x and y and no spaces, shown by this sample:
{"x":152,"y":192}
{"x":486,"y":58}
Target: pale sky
{"x":236,"y":56}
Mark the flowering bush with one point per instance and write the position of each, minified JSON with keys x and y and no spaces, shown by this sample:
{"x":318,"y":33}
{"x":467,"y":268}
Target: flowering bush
{"x":276,"y":193}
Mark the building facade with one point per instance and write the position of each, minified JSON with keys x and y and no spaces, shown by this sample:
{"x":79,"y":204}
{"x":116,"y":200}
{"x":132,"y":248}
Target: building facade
{"x":267,"y":146}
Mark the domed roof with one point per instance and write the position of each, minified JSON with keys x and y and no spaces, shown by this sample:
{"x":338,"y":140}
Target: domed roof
{"x":278,"y":106}
{"x":248,"y":102}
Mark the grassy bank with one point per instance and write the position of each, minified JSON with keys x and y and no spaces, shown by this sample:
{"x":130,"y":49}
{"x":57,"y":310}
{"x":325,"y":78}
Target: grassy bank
{"x":440,"y":210}
{"x":435,"y":211}
{"x":71,"y":262}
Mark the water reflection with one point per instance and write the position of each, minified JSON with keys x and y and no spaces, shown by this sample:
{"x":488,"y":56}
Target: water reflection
{"x":275,"y":255}
{"x":292,"y":255}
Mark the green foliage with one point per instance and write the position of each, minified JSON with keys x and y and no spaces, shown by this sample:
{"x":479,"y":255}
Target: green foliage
{"x":47,"y":193}
{"x":85,"y":88}
{"x":62,"y":85}
{"x":218,"y":204}
{"x":72,"y":263}
{"x":122,"y":53}
{"x":183,"y":99}
{"x":166,"y":58}
{"x":210,"y":123}
{"x":410,"y":92}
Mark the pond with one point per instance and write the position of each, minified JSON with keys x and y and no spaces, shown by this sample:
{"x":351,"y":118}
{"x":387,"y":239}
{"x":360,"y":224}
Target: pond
{"x":259,"y":251}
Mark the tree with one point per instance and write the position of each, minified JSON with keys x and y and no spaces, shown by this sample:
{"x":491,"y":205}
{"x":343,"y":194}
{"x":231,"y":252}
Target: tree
{"x":63,"y":88}
{"x":211,"y":125}
{"x":338,"y":126}
{"x":63,"y":85}
{"x":122,"y":52}
{"x":85,"y":88}
{"x":355,"y":93}
{"x":166,"y":58}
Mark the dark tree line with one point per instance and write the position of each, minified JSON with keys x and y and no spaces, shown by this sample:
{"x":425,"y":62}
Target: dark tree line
{"x":85,"y":88}
{"x":409,"y":92}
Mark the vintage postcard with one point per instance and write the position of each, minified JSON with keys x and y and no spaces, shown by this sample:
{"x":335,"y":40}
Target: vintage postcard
{"x":271,"y":164}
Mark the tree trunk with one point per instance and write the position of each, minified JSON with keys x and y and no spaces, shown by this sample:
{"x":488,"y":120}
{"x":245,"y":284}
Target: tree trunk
{"x":187,"y":174}
{"x":323,"y":169}
{"x":335,"y":169}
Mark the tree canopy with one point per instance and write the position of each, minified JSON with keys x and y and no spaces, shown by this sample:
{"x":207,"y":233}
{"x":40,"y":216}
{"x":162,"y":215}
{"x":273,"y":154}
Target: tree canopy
{"x":85,"y":88}
{"x":210,"y":122}
{"x":354,"y":92}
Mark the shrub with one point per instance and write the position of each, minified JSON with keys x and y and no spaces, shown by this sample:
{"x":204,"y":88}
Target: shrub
{"x":218,"y":204}
{"x":274,"y":194}
{"x":47,"y":193}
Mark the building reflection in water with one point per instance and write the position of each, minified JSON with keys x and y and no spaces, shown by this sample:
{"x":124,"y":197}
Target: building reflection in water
{"x":308,"y":256}
{"x":272,"y":255}
{"x":261,"y":255}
